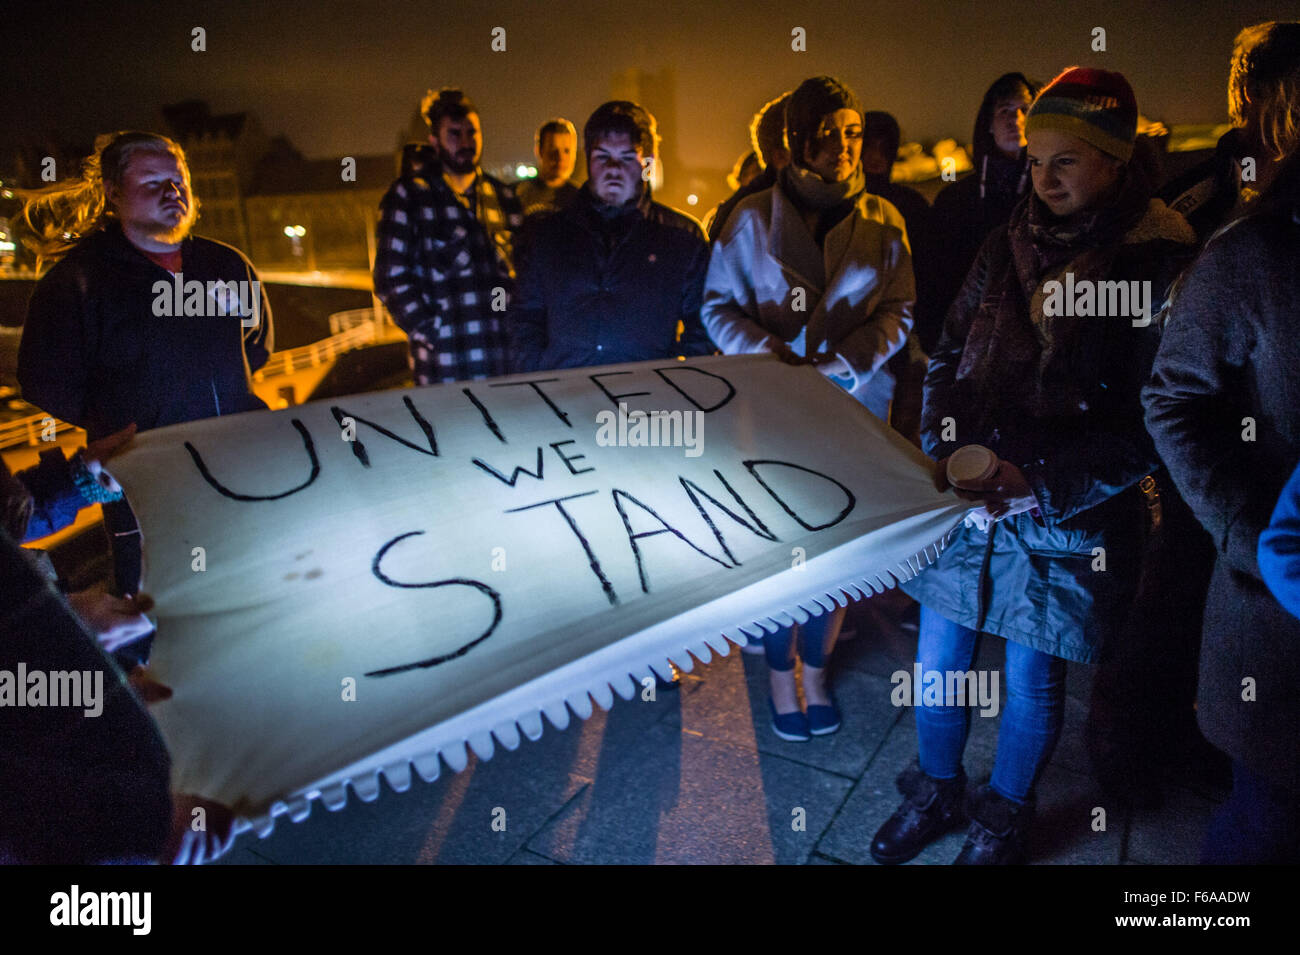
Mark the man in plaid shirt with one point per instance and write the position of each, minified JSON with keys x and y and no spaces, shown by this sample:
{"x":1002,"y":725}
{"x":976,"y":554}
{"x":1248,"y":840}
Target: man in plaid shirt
{"x":443,"y":259}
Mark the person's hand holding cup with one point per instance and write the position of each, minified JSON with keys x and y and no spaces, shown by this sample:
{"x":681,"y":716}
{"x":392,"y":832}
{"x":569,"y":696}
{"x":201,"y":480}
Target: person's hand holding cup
{"x":1000,"y":489}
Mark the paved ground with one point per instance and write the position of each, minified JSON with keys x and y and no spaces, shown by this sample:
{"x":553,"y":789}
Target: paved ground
{"x":698,"y":777}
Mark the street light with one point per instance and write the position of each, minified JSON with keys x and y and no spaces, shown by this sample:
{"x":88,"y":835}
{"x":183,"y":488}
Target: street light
{"x":295,"y":234}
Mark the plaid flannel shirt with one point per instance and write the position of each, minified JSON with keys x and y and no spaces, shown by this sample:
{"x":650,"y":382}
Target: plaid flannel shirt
{"x":438,"y":266}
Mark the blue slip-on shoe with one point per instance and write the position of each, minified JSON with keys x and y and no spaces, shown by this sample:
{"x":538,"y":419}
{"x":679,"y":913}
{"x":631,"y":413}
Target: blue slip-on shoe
{"x":823,"y":720}
{"x":789,"y":726}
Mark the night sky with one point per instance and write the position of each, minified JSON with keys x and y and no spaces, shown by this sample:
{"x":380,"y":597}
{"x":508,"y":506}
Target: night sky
{"x":343,"y":78}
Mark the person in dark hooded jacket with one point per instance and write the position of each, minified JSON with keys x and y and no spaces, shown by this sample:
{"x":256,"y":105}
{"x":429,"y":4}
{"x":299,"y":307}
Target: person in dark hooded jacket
{"x":1050,"y":558}
{"x":965,"y":212}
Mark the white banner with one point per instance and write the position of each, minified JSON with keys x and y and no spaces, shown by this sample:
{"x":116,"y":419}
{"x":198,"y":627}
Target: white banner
{"x":357,"y":585}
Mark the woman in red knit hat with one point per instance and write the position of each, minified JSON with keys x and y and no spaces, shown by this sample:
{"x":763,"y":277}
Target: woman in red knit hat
{"x":1035,"y":364}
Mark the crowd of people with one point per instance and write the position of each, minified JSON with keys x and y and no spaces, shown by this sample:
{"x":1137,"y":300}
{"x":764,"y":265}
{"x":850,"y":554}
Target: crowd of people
{"x":1141,"y":514}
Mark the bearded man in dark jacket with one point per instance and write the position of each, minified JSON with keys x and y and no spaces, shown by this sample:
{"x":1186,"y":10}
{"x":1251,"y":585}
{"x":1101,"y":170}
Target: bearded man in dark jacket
{"x":106,"y":343}
{"x":610,"y":278}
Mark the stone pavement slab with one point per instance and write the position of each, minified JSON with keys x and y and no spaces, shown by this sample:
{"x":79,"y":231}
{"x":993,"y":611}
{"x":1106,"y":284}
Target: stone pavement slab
{"x":696,"y":775}
{"x":692,"y":799}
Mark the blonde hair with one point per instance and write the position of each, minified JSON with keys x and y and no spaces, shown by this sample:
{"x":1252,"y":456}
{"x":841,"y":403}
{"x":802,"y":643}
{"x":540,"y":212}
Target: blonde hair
{"x":1264,"y":81}
{"x":62,"y":214}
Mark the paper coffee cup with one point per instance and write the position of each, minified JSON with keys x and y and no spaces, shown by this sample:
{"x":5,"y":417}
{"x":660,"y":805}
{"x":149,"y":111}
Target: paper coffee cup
{"x":971,"y":463}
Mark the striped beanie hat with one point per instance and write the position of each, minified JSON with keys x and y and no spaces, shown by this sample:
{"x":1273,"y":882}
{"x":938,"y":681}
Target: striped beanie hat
{"x":1098,"y":106}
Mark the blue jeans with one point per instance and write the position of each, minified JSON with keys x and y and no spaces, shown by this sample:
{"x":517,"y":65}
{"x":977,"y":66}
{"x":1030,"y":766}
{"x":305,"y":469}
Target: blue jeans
{"x":816,"y":641}
{"x":1031,"y":721}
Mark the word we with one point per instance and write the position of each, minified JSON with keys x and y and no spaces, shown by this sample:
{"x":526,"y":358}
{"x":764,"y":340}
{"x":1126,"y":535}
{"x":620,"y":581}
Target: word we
{"x":1088,"y":299}
{"x":213,"y":299}
{"x":654,"y":429}
{"x":81,"y":688}
{"x":958,"y":687}
{"x":103,"y":908}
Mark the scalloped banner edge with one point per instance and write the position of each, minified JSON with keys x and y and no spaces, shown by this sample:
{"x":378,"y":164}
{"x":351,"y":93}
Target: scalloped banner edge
{"x":469,"y":731}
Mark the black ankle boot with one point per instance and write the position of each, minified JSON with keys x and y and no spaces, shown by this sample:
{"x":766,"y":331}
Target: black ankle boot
{"x":999,"y":829}
{"x":931,"y":807}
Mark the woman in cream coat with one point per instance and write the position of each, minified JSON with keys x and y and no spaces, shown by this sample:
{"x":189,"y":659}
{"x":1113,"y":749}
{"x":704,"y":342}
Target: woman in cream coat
{"x":815,"y":270}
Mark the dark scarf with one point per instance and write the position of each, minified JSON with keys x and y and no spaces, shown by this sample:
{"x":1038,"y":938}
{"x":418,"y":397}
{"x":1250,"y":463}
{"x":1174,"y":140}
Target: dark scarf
{"x":1017,"y":357}
{"x":831,"y":201}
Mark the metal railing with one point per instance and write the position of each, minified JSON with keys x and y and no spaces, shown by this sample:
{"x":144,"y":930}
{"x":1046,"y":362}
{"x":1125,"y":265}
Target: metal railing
{"x":317,"y":353}
{"x":30,"y":430}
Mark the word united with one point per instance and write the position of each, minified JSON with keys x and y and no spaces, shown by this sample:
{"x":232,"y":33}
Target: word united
{"x":213,"y":299}
{"x":103,"y":908}
{"x":654,"y":429}
{"x":81,"y":688}
{"x":1088,"y":299}
{"x":958,"y":687}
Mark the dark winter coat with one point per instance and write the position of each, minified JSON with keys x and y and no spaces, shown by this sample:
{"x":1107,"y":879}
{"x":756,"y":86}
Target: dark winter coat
{"x":599,"y":291}
{"x":74,"y":790}
{"x":1222,"y":408}
{"x":95,"y":354}
{"x":1047,"y":585}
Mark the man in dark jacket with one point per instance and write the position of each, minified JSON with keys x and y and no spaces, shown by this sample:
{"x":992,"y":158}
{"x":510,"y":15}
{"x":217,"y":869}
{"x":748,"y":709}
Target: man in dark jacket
{"x":767,"y":134}
{"x":96,"y":354}
{"x":553,"y":188}
{"x":105,"y":343}
{"x":611,"y":277}
{"x":443,"y":260}
{"x":141,"y":322}
{"x":1221,"y":409}
{"x":965,"y":212}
